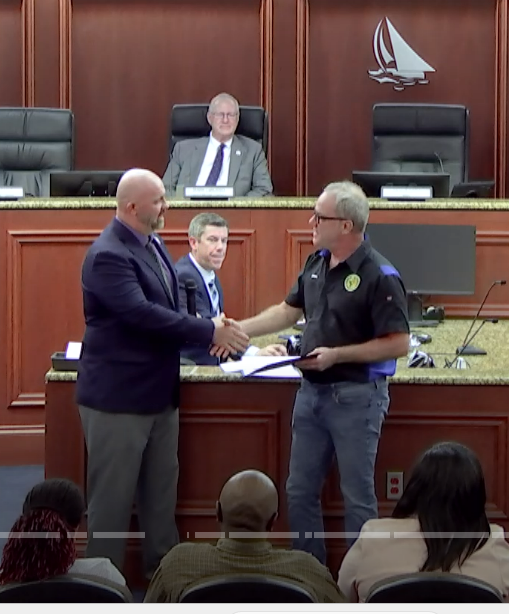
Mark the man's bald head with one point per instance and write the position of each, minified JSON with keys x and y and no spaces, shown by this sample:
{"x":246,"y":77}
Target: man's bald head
{"x":140,"y":200}
{"x":135,"y":182}
{"x":248,"y":502}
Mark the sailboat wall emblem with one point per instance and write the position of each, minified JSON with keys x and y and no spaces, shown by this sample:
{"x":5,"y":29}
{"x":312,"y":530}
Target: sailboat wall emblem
{"x":399,"y":63}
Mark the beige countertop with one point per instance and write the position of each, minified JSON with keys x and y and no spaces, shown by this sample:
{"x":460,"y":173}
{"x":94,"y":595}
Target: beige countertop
{"x":492,"y":369}
{"x":291,"y":202}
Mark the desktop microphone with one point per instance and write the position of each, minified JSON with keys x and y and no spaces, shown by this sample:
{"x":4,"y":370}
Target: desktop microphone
{"x":191,"y":288}
{"x":440,"y":160}
{"x":449,"y":365}
{"x":464,"y":348}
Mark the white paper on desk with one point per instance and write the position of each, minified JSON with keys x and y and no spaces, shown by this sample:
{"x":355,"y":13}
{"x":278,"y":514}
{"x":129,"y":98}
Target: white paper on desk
{"x":231,"y":366}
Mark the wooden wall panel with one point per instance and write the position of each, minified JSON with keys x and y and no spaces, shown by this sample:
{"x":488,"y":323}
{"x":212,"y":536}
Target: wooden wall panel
{"x":249,"y":441}
{"x":158,"y":54}
{"x":341,"y":94}
{"x":41,"y":322}
{"x":11,"y":53}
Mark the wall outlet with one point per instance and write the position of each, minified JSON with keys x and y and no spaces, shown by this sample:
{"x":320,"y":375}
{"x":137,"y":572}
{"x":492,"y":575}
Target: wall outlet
{"x":394,"y":484}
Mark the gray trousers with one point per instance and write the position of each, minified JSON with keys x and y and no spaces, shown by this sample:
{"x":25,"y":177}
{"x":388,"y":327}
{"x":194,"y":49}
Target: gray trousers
{"x":131,"y":457}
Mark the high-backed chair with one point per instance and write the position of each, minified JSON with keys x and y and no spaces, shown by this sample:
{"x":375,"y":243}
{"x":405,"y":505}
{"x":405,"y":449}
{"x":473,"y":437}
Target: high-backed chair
{"x":65,"y":589}
{"x":433,"y":587}
{"x":246,"y":589}
{"x":421,"y":138}
{"x":189,"y":121}
{"x":34,"y":142}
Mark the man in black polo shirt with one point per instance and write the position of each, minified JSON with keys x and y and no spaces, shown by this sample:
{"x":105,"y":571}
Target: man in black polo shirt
{"x":356,"y":327}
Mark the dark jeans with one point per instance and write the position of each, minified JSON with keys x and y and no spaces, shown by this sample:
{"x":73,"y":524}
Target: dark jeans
{"x":344,"y":419}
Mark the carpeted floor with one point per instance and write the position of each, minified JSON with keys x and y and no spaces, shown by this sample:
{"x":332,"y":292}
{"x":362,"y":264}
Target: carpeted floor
{"x":15,"y":482}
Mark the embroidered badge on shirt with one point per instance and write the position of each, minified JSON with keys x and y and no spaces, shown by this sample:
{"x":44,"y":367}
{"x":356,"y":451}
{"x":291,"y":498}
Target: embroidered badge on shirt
{"x":352,"y":282}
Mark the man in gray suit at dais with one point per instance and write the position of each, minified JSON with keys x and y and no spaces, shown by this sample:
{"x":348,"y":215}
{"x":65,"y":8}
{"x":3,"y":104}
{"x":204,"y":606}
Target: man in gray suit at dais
{"x":221,"y":159}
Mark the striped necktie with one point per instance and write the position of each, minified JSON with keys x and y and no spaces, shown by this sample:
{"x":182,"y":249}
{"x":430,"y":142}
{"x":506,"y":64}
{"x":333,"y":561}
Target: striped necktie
{"x":214,"y":295}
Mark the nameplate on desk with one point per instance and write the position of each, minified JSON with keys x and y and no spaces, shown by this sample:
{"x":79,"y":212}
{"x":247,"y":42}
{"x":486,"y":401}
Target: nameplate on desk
{"x":212,"y":192}
{"x":11,"y":193}
{"x":410,"y":192}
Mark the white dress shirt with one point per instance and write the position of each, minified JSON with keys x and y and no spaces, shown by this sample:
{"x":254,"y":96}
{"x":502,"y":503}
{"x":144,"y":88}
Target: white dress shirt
{"x":208,"y":161}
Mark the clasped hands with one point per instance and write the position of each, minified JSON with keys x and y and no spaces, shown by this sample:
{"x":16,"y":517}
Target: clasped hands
{"x":229,"y":338}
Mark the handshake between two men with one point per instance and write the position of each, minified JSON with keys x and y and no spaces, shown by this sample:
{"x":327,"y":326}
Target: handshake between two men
{"x":229,"y":338}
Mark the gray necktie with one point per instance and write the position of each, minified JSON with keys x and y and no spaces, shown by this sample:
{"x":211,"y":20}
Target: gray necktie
{"x":214,"y":295}
{"x":153,"y":251}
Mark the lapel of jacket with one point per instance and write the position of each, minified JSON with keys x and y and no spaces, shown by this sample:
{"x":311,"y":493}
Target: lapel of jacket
{"x":221,"y":297}
{"x":236,"y":158}
{"x":197,"y":158}
{"x":173,"y":273}
{"x":201,"y":282}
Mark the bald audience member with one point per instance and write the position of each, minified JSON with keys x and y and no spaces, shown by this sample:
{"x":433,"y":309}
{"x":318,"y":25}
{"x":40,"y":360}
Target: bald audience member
{"x":128,"y":376}
{"x":246,"y":511}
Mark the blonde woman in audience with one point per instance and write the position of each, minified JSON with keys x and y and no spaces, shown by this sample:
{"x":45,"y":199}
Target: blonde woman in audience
{"x":41,"y":542}
{"x":439,"y":524}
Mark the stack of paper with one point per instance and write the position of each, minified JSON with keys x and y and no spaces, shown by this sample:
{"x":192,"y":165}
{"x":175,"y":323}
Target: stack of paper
{"x":264,"y":366}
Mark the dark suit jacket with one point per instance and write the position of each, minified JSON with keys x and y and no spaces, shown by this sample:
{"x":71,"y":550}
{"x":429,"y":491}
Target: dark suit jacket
{"x":187,"y":270}
{"x":248,"y":174}
{"x":134,"y":331}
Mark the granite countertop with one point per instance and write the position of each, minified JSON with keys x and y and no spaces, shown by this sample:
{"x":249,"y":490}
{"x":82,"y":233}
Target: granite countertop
{"x":291,"y":202}
{"x":492,"y":368}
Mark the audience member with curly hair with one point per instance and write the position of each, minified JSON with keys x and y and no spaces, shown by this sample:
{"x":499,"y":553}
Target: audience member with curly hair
{"x":41,"y":543}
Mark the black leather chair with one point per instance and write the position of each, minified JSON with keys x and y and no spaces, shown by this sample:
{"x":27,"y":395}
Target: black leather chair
{"x":421,"y":138}
{"x":34,"y":142}
{"x":431,"y":587}
{"x":65,"y":589}
{"x":189,"y":121}
{"x":246,"y":589}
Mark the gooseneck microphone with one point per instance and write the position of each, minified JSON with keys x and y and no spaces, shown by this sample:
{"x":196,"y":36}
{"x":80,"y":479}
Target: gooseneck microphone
{"x":451,"y":364}
{"x":440,"y":160}
{"x":465,"y":349}
{"x":191,"y":288}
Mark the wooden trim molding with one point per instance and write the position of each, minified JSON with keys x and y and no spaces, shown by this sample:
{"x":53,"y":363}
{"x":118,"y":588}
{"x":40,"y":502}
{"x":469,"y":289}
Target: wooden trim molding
{"x":28,"y":52}
{"x":302,"y":92}
{"x":64,"y":53}
{"x":267,"y":64}
{"x":501,"y":84}
{"x":22,"y":444}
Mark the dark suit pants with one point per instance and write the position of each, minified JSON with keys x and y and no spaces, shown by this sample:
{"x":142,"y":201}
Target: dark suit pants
{"x":131,"y":456}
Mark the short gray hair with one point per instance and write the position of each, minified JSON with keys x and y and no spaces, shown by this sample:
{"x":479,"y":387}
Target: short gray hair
{"x":219,"y":98}
{"x":351,"y":203}
{"x":202,"y":220}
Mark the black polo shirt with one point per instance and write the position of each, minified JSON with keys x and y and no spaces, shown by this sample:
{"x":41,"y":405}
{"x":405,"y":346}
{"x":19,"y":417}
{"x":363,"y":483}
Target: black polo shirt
{"x":359,"y":300}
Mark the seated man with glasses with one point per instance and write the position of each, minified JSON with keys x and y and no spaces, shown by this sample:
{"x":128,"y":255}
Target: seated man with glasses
{"x":221,"y":159}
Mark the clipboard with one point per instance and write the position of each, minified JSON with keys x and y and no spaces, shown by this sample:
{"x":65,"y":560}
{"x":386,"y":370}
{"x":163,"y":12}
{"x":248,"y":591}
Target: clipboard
{"x":290,"y":360}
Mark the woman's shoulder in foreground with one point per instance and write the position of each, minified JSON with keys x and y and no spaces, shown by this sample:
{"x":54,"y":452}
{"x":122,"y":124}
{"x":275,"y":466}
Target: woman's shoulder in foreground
{"x":382,"y":525}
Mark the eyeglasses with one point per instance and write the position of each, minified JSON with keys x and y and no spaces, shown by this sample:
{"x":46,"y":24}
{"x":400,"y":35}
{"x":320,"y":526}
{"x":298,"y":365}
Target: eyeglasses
{"x":324,"y":218}
{"x":225,"y":115}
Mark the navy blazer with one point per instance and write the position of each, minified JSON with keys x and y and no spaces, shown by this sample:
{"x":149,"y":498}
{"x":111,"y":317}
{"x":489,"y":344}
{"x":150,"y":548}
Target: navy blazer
{"x":134,"y":331}
{"x":186,"y":270}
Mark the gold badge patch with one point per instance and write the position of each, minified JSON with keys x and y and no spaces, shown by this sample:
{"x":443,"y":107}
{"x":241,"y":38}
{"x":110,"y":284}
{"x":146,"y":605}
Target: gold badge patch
{"x":352,"y":282}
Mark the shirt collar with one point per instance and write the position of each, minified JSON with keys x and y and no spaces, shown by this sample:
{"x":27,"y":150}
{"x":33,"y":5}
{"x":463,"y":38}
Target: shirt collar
{"x":247,"y":546}
{"x":216,"y":143}
{"x":142,"y":238}
{"x":207,"y":276}
{"x":355,"y":260}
